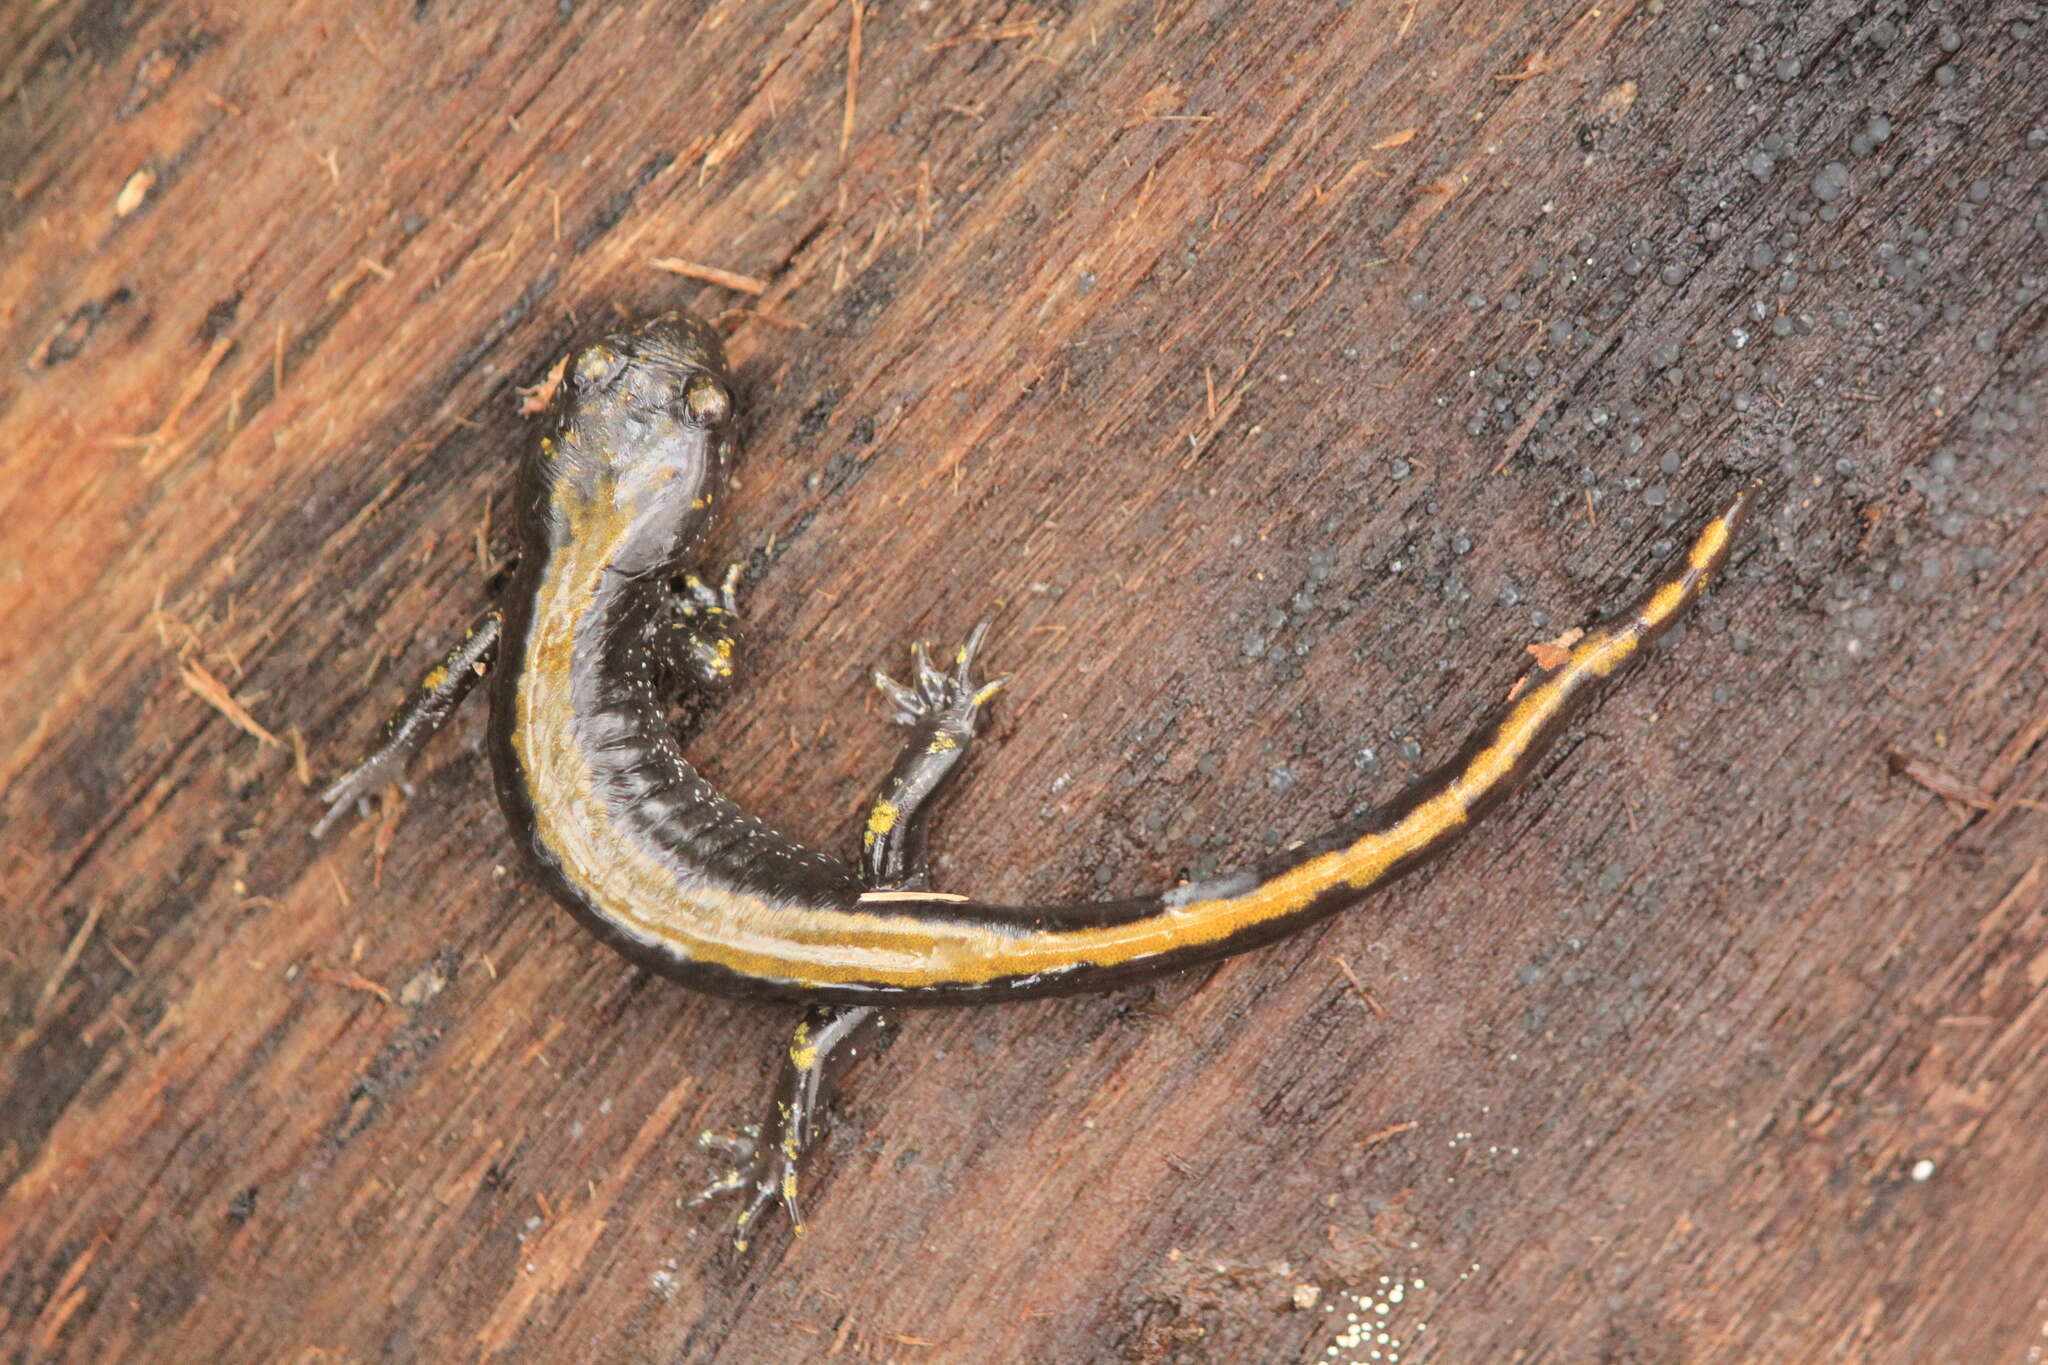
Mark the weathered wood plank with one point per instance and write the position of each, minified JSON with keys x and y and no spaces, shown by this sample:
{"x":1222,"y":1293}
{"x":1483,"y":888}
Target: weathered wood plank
{"x":1281,"y":371}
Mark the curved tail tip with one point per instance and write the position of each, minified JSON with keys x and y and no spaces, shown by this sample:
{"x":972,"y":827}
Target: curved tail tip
{"x":1744,"y":502}
{"x":1718,"y":539}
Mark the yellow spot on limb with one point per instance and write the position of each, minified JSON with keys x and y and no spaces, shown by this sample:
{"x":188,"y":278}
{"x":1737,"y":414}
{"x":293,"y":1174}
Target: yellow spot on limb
{"x":803,"y":1053}
{"x":989,"y":691}
{"x":881,"y":820}
{"x":941,"y":743}
{"x":433,"y":680}
{"x":721,"y":657}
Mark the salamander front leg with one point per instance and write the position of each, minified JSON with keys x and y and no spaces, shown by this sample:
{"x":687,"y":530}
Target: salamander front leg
{"x":696,"y":635}
{"x":940,"y":709}
{"x":415,"y":722}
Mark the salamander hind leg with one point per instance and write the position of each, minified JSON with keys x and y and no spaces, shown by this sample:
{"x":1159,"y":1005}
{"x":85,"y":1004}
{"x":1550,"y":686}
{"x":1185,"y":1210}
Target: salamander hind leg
{"x":768,"y":1160}
{"x":416,"y":721}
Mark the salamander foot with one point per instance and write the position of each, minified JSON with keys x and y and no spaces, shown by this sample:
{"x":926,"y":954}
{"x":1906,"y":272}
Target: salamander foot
{"x":768,"y":1159}
{"x":761,"y":1173}
{"x":358,"y":789}
{"x":945,"y":702}
{"x":700,"y":598}
{"x":698,"y":634}
{"x":414,"y":722}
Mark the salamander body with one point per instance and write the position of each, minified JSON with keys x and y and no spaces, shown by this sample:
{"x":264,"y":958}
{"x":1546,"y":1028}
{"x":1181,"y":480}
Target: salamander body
{"x":603,"y":622}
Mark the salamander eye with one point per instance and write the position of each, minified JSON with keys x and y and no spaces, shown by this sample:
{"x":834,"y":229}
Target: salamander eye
{"x":706,"y":400}
{"x":596,"y":366}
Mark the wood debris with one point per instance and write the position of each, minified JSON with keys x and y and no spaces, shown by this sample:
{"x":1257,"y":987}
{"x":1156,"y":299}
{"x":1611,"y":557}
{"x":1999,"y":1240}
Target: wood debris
{"x":70,"y":958}
{"x":1615,"y":102}
{"x":352,"y":980}
{"x":2013,"y":754}
{"x":1536,"y":65}
{"x":195,"y":383}
{"x":387,"y":830}
{"x":1940,"y":781}
{"x":214,"y":693}
{"x":1555,"y":653}
{"x":134,"y":192}
{"x":988,"y":33}
{"x":535,"y":397}
{"x":363,"y":266}
{"x":1365,"y":997}
{"x":710,"y":274}
{"x":852,"y":79}
{"x":1549,"y":655}
{"x":302,"y":768}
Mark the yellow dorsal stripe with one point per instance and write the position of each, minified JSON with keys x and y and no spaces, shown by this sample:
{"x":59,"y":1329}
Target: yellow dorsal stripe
{"x":863,"y":944}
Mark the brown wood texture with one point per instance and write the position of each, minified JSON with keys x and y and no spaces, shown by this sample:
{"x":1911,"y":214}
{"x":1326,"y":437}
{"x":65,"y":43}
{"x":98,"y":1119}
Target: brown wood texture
{"x":1282,"y":370}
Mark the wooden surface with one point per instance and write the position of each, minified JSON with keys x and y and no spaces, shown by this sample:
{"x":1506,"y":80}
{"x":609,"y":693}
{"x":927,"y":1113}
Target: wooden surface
{"x":1283,"y":371}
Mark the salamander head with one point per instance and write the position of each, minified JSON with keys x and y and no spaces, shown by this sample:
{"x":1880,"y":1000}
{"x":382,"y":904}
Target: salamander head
{"x":641,"y":441}
{"x":668,"y":365}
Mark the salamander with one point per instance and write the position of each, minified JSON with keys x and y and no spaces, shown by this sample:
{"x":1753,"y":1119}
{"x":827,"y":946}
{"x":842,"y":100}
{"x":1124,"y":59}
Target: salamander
{"x":604,"y":621}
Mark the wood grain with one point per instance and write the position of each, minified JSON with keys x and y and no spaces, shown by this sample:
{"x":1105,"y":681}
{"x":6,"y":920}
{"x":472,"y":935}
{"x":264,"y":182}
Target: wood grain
{"x":1280,"y":371}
